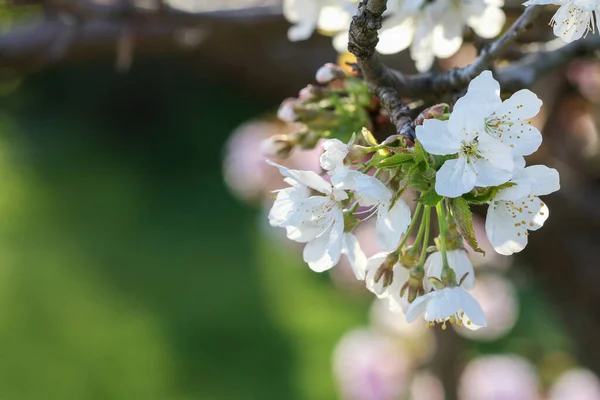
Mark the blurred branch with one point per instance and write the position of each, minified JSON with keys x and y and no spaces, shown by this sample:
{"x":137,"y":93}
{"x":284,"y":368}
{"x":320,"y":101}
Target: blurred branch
{"x":523,"y":73}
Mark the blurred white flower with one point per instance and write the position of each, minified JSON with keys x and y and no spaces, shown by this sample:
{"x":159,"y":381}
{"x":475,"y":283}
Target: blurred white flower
{"x":499,"y":377}
{"x":331,"y":16}
{"x":577,"y":384}
{"x":368,"y":366}
{"x":435,"y":29}
{"x":498,"y":299}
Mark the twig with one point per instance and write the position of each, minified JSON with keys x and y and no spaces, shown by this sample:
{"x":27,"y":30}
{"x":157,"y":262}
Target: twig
{"x":383,"y":84}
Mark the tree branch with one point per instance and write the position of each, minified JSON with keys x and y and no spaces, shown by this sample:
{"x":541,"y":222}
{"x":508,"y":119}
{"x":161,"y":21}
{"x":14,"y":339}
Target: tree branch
{"x":362,"y":42}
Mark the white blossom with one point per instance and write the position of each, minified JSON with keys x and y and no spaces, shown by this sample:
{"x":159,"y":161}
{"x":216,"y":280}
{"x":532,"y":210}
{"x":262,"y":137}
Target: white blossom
{"x":435,"y":29}
{"x":574,"y":18}
{"x":317,"y":220}
{"x":482,"y":110}
{"x":393,"y":216}
{"x":482,"y":160}
{"x":451,"y":304}
{"x":334,"y":152}
{"x":331,"y":16}
{"x":517,"y":210}
{"x":391,"y":293}
{"x":457,"y":260}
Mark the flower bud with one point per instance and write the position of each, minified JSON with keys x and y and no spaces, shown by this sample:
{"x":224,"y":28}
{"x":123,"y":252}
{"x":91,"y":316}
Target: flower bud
{"x":434,"y":112}
{"x":357,"y":153}
{"x":286,"y":110}
{"x":277,"y":146}
{"x":311,"y":93}
{"x":329,"y":72}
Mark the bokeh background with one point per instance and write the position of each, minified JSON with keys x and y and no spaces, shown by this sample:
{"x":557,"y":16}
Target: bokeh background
{"x":135,"y":257}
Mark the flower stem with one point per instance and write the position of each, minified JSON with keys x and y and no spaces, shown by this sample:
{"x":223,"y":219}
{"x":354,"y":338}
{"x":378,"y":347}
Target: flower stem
{"x":412,"y":225}
{"x":441,"y":213}
{"x":426,"y":218}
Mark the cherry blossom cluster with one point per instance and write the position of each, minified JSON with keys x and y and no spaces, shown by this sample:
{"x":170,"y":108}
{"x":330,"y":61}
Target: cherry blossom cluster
{"x":471,"y":156}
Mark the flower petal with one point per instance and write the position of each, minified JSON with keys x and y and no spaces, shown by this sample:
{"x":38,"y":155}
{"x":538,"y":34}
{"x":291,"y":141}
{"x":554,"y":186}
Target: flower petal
{"x":356,"y":257}
{"x":460,"y":263}
{"x":323,"y":252}
{"x":455,"y":178}
{"x":435,"y":137}
{"x":473,"y":310}
{"x":489,"y":23}
{"x":370,"y":191}
{"x":396,"y":34}
{"x":448,"y":34}
{"x":502,"y":230}
{"x":307,"y":178}
{"x":418,"y":306}
{"x":391,"y":224}
{"x":521,"y":106}
{"x":373,"y":264}
{"x":334,"y":152}
{"x":544,"y":180}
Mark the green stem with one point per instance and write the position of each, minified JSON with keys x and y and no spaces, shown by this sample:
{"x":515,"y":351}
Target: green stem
{"x":441,"y":213}
{"x":412,"y":225}
{"x":421,"y":232}
{"x":376,"y":174}
{"x":427,"y":218}
{"x":354,"y":207}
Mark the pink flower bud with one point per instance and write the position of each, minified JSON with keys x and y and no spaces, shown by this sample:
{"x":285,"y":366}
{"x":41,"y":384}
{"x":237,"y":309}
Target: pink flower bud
{"x":329,"y":72}
{"x":286,"y":111}
{"x":276,"y":146}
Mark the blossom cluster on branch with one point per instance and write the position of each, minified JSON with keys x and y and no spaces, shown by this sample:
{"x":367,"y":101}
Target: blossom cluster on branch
{"x":472,"y":155}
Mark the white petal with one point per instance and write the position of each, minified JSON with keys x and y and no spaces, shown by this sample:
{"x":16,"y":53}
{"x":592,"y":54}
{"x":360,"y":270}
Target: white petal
{"x":443,"y":305}
{"x":334,"y":19}
{"x":496,"y":165}
{"x":521,"y":106}
{"x":505,"y":237}
{"x":373,"y":264}
{"x":544,"y":180}
{"x":307,"y":178}
{"x":396,"y":34}
{"x":489,"y":24}
{"x":334,"y":152}
{"x":522,"y":138}
{"x":455,"y":178}
{"x":396,"y":302}
{"x":448,"y":34}
{"x":460,"y":263}
{"x":435,"y":137}
{"x":471,"y":110}
{"x":571,"y":22}
{"x":286,"y":203}
{"x":418,"y":306}
{"x":356,"y":257}
{"x":369,"y":190}
{"x":392,"y":224}
{"x":472,"y":309}
{"x":421,"y":50}
{"x":433,"y":269}
{"x":323,"y":252}
{"x":340,"y":42}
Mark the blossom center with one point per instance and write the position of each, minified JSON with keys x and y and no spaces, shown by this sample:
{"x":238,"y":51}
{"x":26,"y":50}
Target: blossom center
{"x":470,"y":150}
{"x":456,"y":318}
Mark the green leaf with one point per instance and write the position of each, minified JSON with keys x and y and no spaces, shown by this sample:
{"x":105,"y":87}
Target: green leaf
{"x":485,"y":195}
{"x":420,"y":154}
{"x":464,"y":219}
{"x":431,"y":198}
{"x":396,"y":159}
{"x":419,"y":182}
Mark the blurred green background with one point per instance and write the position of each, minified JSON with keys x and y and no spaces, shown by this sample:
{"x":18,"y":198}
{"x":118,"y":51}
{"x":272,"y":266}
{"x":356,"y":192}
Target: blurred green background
{"x":127,"y":270}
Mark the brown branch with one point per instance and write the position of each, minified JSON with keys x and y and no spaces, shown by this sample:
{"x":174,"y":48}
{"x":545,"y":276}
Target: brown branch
{"x":383,"y":84}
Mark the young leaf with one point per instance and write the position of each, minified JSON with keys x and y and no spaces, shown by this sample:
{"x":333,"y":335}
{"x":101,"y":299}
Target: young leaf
{"x":431,"y":198}
{"x":464,"y":219}
{"x":420,"y":154}
{"x":396,"y":159}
